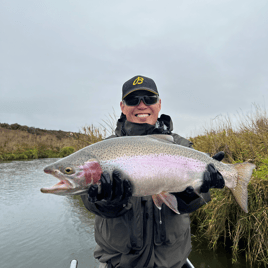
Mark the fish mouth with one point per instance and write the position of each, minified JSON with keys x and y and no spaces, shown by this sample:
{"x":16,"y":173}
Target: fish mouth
{"x":62,"y":186}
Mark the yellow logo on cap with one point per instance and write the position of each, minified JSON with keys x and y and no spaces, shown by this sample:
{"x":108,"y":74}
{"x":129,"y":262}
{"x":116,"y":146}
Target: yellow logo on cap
{"x":138,"y":80}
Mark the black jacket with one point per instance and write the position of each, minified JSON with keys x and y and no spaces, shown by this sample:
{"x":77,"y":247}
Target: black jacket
{"x":139,"y":234}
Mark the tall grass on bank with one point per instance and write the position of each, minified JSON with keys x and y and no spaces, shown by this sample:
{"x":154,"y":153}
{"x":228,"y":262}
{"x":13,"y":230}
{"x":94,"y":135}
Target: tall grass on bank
{"x":89,"y":135}
{"x":109,"y":124}
{"x":16,"y":144}
{"x":247,"y":141}
{"x":222,"y":221}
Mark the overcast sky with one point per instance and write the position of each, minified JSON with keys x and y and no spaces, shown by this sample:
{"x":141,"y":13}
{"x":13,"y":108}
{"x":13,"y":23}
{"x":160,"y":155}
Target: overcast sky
{"x":63,"y":63}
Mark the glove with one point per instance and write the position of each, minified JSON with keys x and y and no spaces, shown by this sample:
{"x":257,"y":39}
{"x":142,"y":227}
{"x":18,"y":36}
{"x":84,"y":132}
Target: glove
{"x":212,"y":177}
{"x":218,"y":156}
{"x":115,"y":192}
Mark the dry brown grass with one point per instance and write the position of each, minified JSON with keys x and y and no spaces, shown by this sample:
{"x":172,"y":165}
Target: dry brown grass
{"x":12,"y":141}
{"x":221,"y":220}
{"x":18,"y":143}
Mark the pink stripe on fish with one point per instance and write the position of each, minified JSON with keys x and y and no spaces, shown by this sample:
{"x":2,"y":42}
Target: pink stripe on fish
{"x":160,"y":172}
{"x":163,"y":161}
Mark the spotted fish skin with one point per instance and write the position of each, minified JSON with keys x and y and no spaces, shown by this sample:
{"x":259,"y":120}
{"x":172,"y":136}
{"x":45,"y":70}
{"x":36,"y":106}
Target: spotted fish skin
{"x":154,"y":165}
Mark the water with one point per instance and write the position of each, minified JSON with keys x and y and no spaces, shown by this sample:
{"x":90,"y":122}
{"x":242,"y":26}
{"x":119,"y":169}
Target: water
{"x":43,"y":230}
{"x":38,"y":230}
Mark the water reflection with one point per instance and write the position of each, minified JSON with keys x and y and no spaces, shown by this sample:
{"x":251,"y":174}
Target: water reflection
{"x":201,"y":257}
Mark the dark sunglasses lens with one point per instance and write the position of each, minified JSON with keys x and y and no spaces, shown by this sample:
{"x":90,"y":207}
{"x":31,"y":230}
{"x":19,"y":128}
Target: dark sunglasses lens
{"x":149,"y":100}
{"x":132,"y":101}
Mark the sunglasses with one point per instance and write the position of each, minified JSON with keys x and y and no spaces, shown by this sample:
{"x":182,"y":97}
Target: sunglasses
{"x":135,"y":100}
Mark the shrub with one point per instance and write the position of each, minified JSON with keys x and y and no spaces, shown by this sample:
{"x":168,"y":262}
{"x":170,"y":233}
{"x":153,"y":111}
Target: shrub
{"x":65,"y":151}
{"x":32,"y":153}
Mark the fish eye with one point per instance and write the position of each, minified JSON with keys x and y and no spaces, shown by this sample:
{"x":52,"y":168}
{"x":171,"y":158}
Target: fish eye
{"x":68,"y":170}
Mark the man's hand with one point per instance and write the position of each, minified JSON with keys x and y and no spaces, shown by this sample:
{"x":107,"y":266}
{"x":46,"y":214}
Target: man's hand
{"x":212,"y":177}
{"x":114,"y":192}
{"x":218,"y":156}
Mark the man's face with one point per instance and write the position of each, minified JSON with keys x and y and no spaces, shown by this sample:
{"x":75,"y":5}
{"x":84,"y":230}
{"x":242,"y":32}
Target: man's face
{"x":141,"y":113}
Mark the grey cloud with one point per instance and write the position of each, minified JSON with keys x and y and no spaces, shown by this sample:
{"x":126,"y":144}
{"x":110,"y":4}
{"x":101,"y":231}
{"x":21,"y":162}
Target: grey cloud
{"x":63,"y":63}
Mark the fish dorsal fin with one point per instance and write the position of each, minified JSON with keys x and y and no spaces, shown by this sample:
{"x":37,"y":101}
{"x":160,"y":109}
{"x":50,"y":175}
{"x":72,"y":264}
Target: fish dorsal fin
{"x":162,"y":137}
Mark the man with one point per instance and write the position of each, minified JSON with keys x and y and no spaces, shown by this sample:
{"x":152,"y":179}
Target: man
{"x":131,"y":231}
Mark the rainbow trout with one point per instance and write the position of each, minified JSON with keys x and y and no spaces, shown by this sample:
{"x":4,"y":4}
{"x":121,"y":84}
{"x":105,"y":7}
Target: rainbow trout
{"x":154,"y":165}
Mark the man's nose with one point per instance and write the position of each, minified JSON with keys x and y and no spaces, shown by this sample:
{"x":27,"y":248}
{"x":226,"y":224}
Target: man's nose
{"x":142,"y":105}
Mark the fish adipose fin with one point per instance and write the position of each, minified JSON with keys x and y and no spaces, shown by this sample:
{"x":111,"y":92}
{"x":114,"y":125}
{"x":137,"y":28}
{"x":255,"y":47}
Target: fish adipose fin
{"x":169,"y":199}
{"x":240,"y":192}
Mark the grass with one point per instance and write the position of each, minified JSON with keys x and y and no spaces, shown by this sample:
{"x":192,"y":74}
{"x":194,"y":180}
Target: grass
{"x":20,"y":142}
{"x":222,"y":221}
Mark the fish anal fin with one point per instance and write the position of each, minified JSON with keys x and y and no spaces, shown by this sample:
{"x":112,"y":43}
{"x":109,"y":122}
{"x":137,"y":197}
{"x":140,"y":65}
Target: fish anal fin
{"x":169,"y":199}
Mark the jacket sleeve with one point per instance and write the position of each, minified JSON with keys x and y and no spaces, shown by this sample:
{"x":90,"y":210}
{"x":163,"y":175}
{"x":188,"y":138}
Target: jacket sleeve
{"x":105,"y":211}
{"x":188,"y":203}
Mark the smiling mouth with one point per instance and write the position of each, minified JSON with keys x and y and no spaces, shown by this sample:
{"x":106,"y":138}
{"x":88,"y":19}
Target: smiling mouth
{"x":142,"y":115}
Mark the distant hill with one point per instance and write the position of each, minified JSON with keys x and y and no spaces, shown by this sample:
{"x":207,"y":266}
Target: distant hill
{"x":23,"y":142}
{"x":37,"y":131}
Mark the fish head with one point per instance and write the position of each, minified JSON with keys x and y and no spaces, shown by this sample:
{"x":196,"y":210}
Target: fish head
{"x":75,"y":178}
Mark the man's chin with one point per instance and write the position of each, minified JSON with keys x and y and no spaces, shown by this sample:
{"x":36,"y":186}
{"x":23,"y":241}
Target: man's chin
{"x":144,"y":120}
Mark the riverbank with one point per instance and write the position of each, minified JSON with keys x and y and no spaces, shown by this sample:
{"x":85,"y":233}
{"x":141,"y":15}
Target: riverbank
{"x":221,"y":221}
{"x":22,"y":142}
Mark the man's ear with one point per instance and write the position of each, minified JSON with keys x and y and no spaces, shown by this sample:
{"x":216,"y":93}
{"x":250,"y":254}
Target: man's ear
{"x":122,"y":106}
{"x":159,"y":104}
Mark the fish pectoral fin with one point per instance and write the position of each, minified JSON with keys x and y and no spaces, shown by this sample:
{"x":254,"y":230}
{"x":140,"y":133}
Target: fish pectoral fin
{"x":157,"y":201}
{"x":169,"y":199}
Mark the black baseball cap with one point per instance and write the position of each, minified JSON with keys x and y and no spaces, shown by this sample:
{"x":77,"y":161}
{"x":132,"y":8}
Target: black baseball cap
{"x":139,"y":82}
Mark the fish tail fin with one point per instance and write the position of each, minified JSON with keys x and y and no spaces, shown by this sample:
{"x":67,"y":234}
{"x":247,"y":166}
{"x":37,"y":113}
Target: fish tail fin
{"x":240,"y":191}
{"x":169,"y":199}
